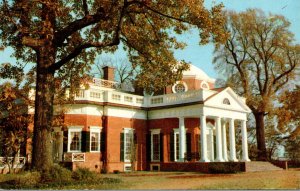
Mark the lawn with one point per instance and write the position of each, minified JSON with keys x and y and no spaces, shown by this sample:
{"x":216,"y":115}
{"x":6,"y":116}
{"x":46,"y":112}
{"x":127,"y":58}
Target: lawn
{"x":188,"y":180}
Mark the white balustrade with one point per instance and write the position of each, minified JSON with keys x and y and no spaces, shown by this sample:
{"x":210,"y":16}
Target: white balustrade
{"x":74,"y":157}
{"x":18,"y":163}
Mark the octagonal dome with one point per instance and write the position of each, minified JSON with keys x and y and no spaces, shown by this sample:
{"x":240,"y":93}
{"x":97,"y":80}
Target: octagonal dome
{"x":195,"y":72}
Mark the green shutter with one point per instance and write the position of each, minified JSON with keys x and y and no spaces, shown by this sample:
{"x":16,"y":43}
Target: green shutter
{"x":65,"y":141}
{"x":172,"y":154}
{"x":85,"y":141}
{"x":188,"y":146}
{"x":148,"y":147}
{"x":103,"y":142}
{"x":122,"y":147}
{"x":161,"y":142}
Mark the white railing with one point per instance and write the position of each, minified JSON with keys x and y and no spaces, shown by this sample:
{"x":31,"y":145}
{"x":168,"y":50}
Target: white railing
{"x":106,"y":83}
{"x":112,"y":96}
{"x":178,"y":98}
{"x":74,"y":157}
{"x":18,"y":163}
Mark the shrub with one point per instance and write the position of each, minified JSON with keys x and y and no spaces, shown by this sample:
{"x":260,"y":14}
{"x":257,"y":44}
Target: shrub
{"x":84,"y":174}
{"x":57,"y":174}
{"x":25,"y":180}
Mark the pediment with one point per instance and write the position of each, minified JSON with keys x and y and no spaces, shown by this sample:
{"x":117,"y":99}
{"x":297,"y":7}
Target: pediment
{"x":227,"y":99}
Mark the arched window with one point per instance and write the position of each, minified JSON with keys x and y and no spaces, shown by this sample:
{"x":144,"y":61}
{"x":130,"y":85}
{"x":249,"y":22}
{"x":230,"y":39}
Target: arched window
{"x":179,"y":87}
{"x":204,"y":85}
{"x":226,"y":101}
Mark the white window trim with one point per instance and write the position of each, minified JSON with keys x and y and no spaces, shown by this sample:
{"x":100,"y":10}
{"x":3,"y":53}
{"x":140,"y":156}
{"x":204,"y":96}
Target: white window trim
{"x":204,"y":83}
{"x":179,"y":82}
{"x":95,"y":129}
{"x":176,"y":132}
{"x":125,"y":131}
{"x":74,"y":129}
{"x":154,"y":132}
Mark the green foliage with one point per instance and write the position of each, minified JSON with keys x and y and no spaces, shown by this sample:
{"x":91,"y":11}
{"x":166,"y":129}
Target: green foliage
{"x":25,"y":180}
{"x":259,"y":60}
{"x":57,"y":178}
{"x":57,"y":174}
{"x":83,"y":174}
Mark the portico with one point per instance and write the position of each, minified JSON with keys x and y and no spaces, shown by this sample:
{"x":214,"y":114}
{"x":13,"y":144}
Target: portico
{"x":218,"y":124}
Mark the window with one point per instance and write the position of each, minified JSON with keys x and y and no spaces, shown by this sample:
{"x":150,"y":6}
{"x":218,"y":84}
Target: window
{"x":74,"y":139}
{"x":127,"y":144}
{"x":204,"y":85}
{"x":155,"y":145}
{"x":179,"y":87}
{"x":95,"y":139}
{"x":226,"y":101}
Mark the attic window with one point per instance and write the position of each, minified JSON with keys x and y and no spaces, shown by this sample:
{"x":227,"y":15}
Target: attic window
{"x":204,"y":85}
{"x":179,"y":87}
{"x":226,"y":101}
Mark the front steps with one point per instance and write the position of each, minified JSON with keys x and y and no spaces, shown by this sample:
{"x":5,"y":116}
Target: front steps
{"x":255,"y":166}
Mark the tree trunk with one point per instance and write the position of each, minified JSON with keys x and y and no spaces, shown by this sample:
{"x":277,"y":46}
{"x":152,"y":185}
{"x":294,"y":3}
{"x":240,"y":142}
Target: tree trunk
{"x":42,"y":136}
{"x":260,"y":136}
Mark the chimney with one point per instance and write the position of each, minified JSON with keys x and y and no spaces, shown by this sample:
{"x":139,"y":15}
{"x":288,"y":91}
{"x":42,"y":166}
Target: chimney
{"x":109,"y":73}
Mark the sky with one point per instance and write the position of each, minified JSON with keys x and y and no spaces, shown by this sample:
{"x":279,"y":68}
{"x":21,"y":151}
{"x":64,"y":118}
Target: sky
{"x":201,"y":56}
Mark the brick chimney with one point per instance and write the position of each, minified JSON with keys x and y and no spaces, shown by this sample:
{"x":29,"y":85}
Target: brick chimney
{"x":109,"y":73}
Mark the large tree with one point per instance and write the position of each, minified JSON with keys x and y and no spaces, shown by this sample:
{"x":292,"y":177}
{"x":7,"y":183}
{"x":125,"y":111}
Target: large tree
{"x":60,"y":35}
{"x":258,"y":59}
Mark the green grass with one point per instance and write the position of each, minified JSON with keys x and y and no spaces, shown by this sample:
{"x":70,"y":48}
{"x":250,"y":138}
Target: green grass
{"x":176,"y":180}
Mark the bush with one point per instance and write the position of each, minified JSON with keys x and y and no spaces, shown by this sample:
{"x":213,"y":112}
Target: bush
{"x":57,"y":174}
{"x":57,"y":178}
{"x":25,"y":180}
{"x":83,"y":174}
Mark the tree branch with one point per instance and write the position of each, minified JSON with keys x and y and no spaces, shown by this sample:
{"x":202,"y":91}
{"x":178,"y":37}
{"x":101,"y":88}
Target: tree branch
{"x":79,"y":24}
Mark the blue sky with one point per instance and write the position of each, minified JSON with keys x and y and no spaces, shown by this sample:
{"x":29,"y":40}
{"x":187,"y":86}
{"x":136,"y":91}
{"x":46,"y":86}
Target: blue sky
{"x":201,"y":56}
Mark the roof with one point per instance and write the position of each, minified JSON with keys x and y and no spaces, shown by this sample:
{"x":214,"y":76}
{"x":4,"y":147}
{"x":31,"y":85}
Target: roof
{"x":197,"y":73}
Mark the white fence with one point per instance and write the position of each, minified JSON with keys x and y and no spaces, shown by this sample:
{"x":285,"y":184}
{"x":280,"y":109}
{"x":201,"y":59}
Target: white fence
{"x":18,"y":163}
{"x":74,"y":157}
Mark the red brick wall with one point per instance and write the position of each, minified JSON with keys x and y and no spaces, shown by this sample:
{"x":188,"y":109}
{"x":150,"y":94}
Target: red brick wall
{"x":83,"y":120}
{"x":114,"y":128}
{"x":192,"y":84}
{"x":167,"y":125}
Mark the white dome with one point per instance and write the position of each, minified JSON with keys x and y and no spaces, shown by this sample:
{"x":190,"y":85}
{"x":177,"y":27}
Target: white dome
{"x":195,"y":72}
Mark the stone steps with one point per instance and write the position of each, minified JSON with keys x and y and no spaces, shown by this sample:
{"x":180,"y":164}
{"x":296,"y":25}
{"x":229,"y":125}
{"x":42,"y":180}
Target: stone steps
{"x":255,"y":166}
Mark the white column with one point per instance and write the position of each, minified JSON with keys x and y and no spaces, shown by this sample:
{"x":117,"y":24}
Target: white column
{"x":244,"y":141}
{"x":219,"y":157}
{"x":182,"y":137}
{"x":224,"y":141}
{"x":232,"y":140}
{"x":203,"y":139}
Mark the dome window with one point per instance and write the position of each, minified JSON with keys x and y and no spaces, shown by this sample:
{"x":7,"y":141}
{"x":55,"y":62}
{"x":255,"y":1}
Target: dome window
{"x":179,"y":87}
{"x":204,"y":85}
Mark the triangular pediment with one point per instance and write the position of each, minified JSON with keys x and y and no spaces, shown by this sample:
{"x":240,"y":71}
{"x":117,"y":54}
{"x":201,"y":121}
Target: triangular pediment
{"x":227,"y":99}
